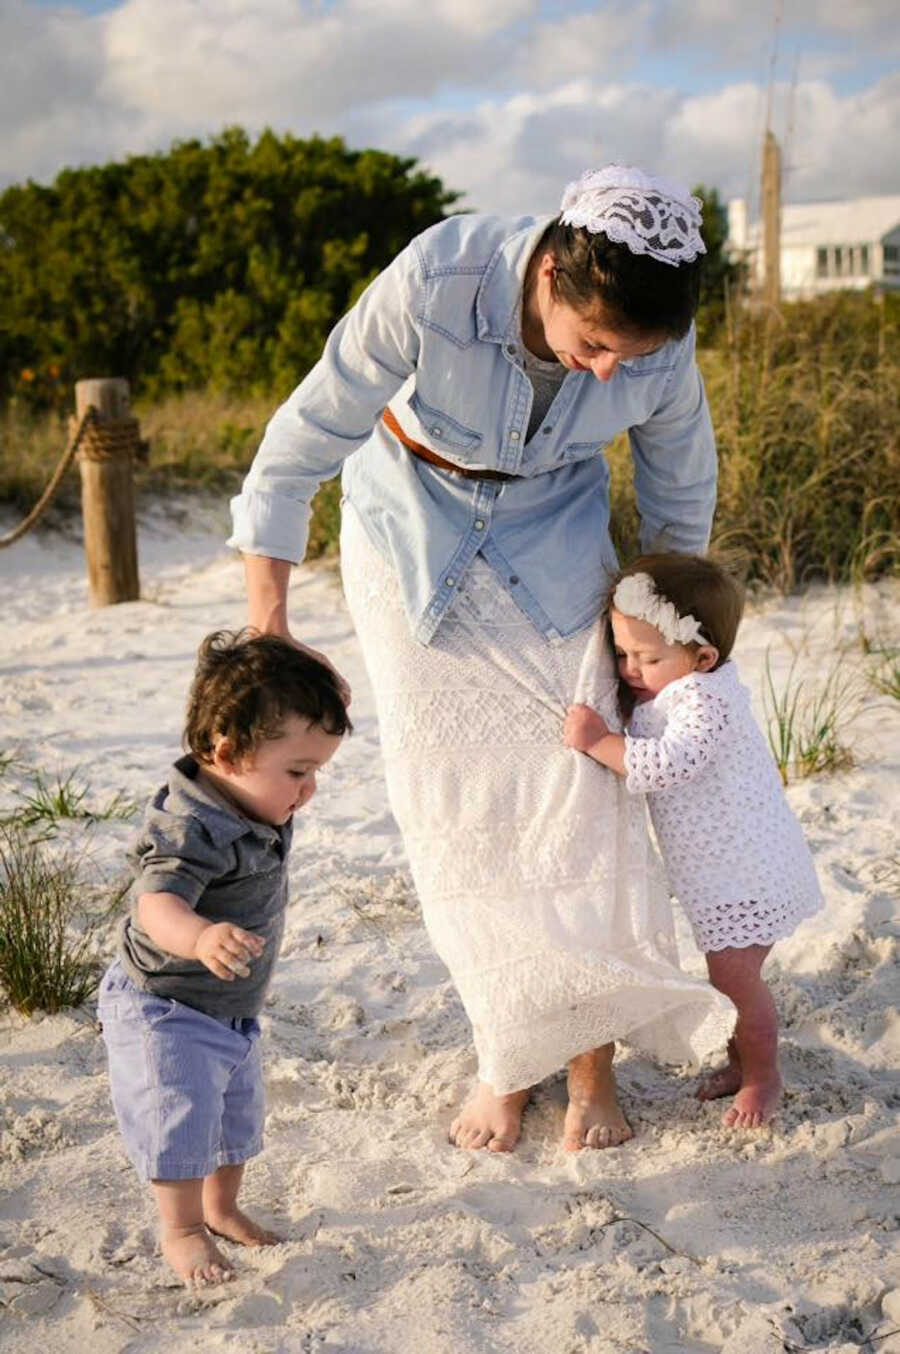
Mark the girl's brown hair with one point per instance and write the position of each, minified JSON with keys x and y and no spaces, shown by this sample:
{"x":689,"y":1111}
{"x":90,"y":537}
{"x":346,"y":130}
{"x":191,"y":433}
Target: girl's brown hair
{"x":696,"y":586}
{"x":637,"y":295}
{"x":247,"y":684}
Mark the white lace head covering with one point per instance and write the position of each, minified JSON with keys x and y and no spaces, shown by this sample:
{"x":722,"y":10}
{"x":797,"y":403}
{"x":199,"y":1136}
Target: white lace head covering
{"x":636,"y":596}
{"x":650,"y":215}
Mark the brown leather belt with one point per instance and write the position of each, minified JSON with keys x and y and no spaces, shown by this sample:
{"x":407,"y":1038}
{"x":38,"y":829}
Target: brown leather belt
{"x":427,"y":454}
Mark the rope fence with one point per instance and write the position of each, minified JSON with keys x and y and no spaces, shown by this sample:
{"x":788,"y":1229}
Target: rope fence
{"x":56,"y":479}
{"x":106,"y":438}
{"x":109,"y":440}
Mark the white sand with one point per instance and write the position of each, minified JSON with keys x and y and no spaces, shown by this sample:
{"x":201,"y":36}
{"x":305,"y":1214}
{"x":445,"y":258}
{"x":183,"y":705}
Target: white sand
{"x":687,"y":1239}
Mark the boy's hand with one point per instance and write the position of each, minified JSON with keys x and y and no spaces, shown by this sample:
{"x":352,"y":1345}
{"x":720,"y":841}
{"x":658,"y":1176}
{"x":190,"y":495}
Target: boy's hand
{"x":226,"y":950}
{"x":583,"y":728}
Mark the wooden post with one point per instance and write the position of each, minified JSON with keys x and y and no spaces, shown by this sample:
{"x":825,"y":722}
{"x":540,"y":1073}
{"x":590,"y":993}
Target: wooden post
{"x":771,"y":211}
{"x":107,"y":491}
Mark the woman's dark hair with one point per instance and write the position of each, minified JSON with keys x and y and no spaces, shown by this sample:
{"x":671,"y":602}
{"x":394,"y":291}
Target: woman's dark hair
{"x":247,"y":684}
{"x":637,"y":294}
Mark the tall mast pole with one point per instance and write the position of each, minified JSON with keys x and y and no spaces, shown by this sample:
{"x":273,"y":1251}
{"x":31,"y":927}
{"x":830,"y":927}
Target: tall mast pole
{"x":771,"y":205}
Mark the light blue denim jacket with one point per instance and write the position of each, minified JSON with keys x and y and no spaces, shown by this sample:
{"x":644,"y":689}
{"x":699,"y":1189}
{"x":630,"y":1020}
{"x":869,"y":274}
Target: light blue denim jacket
{"x":438,"y":336}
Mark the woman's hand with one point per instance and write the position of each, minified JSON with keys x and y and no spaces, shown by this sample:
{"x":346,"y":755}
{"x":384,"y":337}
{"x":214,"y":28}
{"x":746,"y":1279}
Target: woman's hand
{"x":583,"y":728}
{"x":267,"y":587}
{"x":343,"y":685}
{"x":226,"y":950}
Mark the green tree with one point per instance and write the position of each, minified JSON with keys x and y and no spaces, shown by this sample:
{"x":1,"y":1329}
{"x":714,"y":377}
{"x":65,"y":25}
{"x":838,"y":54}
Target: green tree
{"x":223,"y":263}
{"x":721,"y":274}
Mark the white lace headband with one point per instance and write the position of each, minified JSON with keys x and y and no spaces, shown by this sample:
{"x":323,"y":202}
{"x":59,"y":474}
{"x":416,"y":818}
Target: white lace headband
{"x":649,"y":215}
{"x":636,"y":596}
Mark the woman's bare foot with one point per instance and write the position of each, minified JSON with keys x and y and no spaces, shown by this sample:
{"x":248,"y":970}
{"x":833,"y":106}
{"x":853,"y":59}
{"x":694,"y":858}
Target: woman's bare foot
{"x":754,"y":1104}
{"x":724,"y":1080}
{"x":489,"y":1120}
{"x":236,"y":1226}
{"x":594,"y":1118}
{"x":194,"y":1256}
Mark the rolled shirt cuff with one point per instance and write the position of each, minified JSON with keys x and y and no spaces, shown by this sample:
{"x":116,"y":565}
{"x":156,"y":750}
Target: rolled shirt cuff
{"x":269,"y":524}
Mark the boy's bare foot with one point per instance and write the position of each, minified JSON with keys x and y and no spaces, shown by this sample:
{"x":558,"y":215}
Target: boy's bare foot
{"x":236,"y":1226}
{"x":594,"y":1118}
{"x":724,"y":1080}
{"x":489,"y":1120}
{"x":754,"y":1104}
{"x":194,"y":1256}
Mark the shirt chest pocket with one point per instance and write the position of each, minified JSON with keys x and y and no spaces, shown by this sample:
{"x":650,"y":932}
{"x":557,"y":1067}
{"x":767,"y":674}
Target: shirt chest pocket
{"x":444,"y":431}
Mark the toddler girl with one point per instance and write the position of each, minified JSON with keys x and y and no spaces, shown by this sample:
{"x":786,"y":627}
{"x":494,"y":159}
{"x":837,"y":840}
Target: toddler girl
{"x":736,"y":856}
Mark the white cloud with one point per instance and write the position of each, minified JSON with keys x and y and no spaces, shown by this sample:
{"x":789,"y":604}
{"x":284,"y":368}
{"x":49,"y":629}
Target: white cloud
{"x":294,"y":64}
{"x":475,"y":17}
{"x":497,"y":99}
{"x":844,"y":147}
{"x":51,"y":60}
{"x":607,"y":41}
{"x":745,"y":38}
{"x":517,"y":155}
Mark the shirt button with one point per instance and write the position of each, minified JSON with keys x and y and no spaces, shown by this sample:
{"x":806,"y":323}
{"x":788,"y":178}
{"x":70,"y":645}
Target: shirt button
{"x":547,"y":430}
{"x":449,"y":582}
{"x":514,"y":436}
{"x":512,"y":350}
{"x":436,"y":431}
{"x":479,"y":525}
{"x":514,"y":578}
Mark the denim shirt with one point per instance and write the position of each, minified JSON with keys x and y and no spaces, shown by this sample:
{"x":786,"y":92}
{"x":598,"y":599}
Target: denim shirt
{"x":438,"y":336}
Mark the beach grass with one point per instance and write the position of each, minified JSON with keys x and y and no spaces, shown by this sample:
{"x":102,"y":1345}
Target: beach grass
{"x":808,"y":720}
{"x":805,"y":404}
{"x":46,"y":944}
{"x":50,"y":799}
{"x":884,"y":673}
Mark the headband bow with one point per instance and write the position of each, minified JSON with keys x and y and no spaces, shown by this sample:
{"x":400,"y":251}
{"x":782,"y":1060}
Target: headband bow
{"x":636,"y":596}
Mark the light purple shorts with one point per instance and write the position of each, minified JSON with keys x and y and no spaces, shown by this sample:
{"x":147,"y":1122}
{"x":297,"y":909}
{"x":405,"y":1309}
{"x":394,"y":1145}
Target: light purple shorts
{"x":187,"y":1088}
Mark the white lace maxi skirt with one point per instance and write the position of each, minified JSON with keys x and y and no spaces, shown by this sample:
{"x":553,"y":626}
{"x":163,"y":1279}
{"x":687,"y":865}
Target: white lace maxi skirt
{"x":538,"y":884}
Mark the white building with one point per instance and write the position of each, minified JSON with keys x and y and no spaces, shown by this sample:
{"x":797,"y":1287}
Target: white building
{"x":825,"y":245}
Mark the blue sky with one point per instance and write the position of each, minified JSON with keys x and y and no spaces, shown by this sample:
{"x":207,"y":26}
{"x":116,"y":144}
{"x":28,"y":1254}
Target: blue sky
{"x":506,"y":99}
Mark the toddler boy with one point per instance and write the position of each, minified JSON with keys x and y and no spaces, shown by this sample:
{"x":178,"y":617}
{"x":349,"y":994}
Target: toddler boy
{"x":179,"y":1005}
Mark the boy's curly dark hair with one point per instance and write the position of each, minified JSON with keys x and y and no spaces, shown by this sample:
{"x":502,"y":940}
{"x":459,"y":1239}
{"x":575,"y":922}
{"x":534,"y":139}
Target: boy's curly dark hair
{"x":247,"y":684}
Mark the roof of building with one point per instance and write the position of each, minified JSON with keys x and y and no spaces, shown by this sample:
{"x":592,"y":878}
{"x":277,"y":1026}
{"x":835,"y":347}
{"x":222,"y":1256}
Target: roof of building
{"x":860,"y":220}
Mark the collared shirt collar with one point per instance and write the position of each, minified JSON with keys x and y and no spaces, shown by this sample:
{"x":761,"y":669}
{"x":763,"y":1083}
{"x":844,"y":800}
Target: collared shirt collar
{"x":190,"y":792}
{"x":498,"y":305}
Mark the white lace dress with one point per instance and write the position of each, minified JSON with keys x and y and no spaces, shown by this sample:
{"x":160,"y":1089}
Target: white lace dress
{"x":736,"y":856}
{"x":538,"y":884}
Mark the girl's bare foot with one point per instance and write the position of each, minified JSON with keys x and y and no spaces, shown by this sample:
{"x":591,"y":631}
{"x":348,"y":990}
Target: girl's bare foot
{"x":489,"y":1120}
{"x":594,"y":1118}
{"x":754,"y":1104}
{"x":724,"y":1080}
{"x":753,"y":1049}
{"x":194,"y":1256}
{"x":236,"y":1226}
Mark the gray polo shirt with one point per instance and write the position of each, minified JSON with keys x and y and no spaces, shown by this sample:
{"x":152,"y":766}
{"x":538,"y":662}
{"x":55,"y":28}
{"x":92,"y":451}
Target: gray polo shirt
{"x":228,"y":867}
